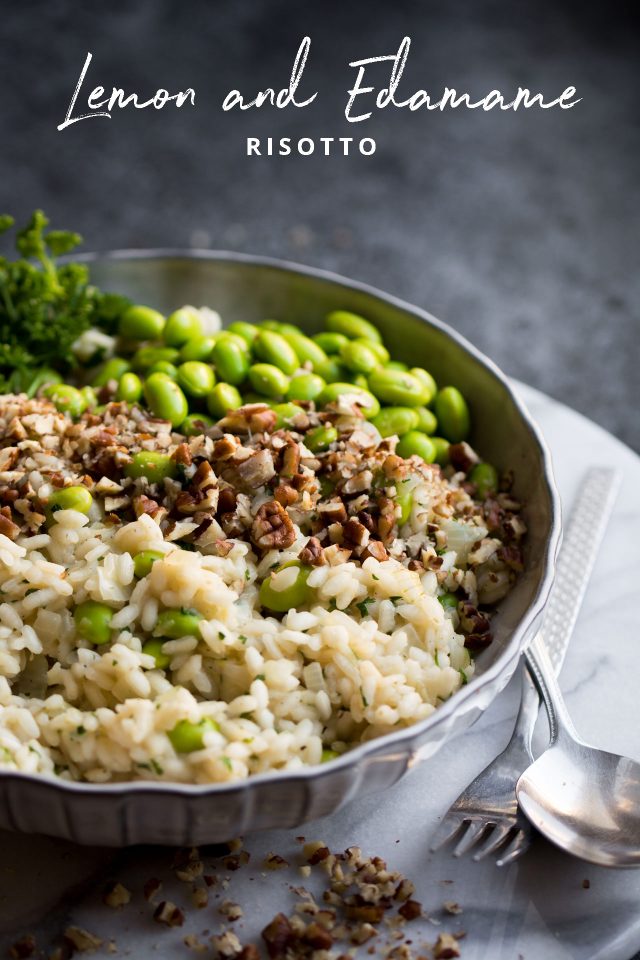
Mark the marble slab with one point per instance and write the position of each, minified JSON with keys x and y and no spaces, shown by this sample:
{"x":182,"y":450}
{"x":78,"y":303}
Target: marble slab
{"x":541,"y":907}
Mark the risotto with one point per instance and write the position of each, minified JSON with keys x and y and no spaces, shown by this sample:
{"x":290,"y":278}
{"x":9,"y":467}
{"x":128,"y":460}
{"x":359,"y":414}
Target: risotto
{"x":241,"y":605}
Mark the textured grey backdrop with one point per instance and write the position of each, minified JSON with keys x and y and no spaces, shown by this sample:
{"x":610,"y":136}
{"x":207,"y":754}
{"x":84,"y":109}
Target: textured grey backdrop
{"x":520,"y":230}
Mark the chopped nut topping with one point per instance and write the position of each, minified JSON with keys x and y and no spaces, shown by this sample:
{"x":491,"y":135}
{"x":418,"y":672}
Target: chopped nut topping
{"x":116,"y":895}
{"x":169,"y":914}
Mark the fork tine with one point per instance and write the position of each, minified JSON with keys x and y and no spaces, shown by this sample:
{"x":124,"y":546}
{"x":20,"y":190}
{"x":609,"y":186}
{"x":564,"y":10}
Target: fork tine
{"x":447,"y":830}
{"x":518,"y":846}
{"x":495,"y":839}
{"x":473,"y":833}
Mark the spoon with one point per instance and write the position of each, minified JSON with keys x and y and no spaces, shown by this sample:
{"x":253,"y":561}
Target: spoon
{"x":584,"y":800}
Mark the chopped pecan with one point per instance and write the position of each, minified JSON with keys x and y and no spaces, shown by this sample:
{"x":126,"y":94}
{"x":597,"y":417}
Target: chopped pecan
{"x":312,"y":553}
{"x":355,"y":532}
{"x":7,"y":527}
{"x":227,"y":500}
{"x":512,"y":556}
{"x":182,"y":454}
{"x":144,"y":504}
{"x":256,"y":470}
{"x":225,"y":447}
{"x":462,"y":456}
{"x":290,"y":459}
{"x":317,"y":937}
{"x":387,"y":519}
{"x":169,"y":914}
{"x":252,"y":418}
{"x":272,"y":527}
{"x":471,"y":620}
{"x":285,"y":494}
{"x":8,"y":458}
{"x":477,"y":641}
{"x":332,"y":511}
{"x":279,"y":936}
{"x":375,"y":549}
{"x":367,"y":912}
{"x":446,"y":948}
{"x":410,"y":910}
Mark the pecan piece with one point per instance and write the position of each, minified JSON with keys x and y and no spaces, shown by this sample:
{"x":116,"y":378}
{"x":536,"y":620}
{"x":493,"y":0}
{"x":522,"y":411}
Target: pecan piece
{"x":252,"y":418}
{"x":272,"y":527}
{"x":7,"y":527}
{"x":376,"y":549}
{"x":256,"y":470}
{"x":462,"y":456}
{"x":285,"y":494}
{"x":355,"y":532}
{"x":312,"y":553}
{"x":279,"y":936}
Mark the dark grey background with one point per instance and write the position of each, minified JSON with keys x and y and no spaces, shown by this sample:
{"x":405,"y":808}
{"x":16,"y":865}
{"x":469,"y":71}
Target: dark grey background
{"x":518,"y":229}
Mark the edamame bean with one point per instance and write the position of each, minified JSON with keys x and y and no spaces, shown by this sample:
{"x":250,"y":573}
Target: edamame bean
{"x":395,"y":421}
{"x":67,"y":399}
{"x":230,"y":360}
{"x":187,"y":737}
{"x":165,"y":399}
{"x":129,"y":388}
{"x":362,"y":397}
{"x":397,"y":388}
{"x":196,"y":378}
{"x":153,"y":465}
{"x":163,"y":366}
{"x":248,"y":331}
{"x":418,"y":444}
{"x":145,"y":357}
{"x":449,"y":601}
{"x":442,"y":450}
{"x":379,"y":351}
{"x":357,"y":357}
{"x":320,"y":438}
{"x":270,"y":325}
{"x":427,"y":422}
{"x":175,"y":624}
{"x":223,"y":397}
{"x":285,"y":413}
{"x":141,"y":323}
{"x":485,"y":478}
{"x":305,"y":386}
{"x":404,"y":499}
{"x":93,"y":621}
{"x":153,"y":648}
{"x":143,"y":561}
{"x":41,"y":379}
{"x":195,"y":424}
{"x":268,"y":380}
{"x":425,"y":378}
{"x":331,"y":371}
{"x":182,"y":325}
{"x":111,"y":370}
{"x":271,"y":347}
{"x":198,"y":348}
{"x":331,"y":343}
{"x":89,"y":397}
{"x":453,"y":414}
{"x":70,"y":498}
{"x":328,"y":755}
{"x":396,"y":365}
{"x":295,"y":594}
{"x":305,"y":349}
{"x":352,"y":326}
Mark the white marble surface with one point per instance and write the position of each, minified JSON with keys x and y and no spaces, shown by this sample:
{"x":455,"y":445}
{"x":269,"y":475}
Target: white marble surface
{"x":535,"y":909}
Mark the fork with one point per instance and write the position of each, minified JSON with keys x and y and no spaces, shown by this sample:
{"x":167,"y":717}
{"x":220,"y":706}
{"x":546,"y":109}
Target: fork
{"x":486,"y":817}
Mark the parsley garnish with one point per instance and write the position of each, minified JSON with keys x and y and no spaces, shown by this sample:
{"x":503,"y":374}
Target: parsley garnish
{"x":362,"y":606}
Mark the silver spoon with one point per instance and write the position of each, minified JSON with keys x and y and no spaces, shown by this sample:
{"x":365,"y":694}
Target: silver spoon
{"x":584,"y":800}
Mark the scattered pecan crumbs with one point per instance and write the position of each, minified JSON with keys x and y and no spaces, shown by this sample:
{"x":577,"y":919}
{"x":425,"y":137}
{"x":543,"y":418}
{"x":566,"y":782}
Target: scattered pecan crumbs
{"x":116,"y":895}
{"x":169,"y":914}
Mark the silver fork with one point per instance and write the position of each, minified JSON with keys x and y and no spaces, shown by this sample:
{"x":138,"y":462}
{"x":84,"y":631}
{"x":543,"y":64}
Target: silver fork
{"x":486,"y":816}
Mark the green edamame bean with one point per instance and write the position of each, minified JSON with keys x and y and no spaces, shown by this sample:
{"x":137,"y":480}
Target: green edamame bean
{"x":41,"y":379}
{"x":442,"y":450}
{"x":198,"y":348}
{"x":271,"y":347}
{"x":331,"y":371}
{"x":364,"y":398}
{"x":268,"y":380}
{"x":252,"y":397}
{"x":485,"y":478}
{"x":395,"y":421}
{"x":396,"y":365}
{"x":248,"y":331}
{"x":143,"y":561}
{"x":67,"y":399}
{"x":285,"y":412}
{"x":163,"y":366}
{"x":196,"y":378}
{"x":70,"y":498}
{"x":145,"y":357}
{"x":379,"y":351}
{"x":404,"y":499}
{"x":418,"y":444}
{"x":427,"y":422}
{"x":153,"y":648}
{"x":305,"y":386}
{"x":358,"y":357}
{"x":291,"y":596}
{"x":328,"y":755}
{"x":427,"y":380}
{"x":111,"y":370}
{"x":449,"y":601}
{"x":223,"y":397}
{"x":352,"y":326}
{"x":182,"y":325}
{"x":165,"y":399}
{"x":153,"y":465}
{"x":93,"y":621}
{"x":305,"y":349}
{"x":453,"y":414}
{"x":89,"y":396}
{"x":230,"y":360}
{"x":397,"y":388}
{"x":195,"y":424}
{"x":271,"y":325}
{"x":141,"y":323}
{"x":331,"y":343}
{"x":229,"y":336}
{"x":320,"y":438}
{"x":174,"y":624}
{"x":187,"y":737}
{"x":129,"y":388}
